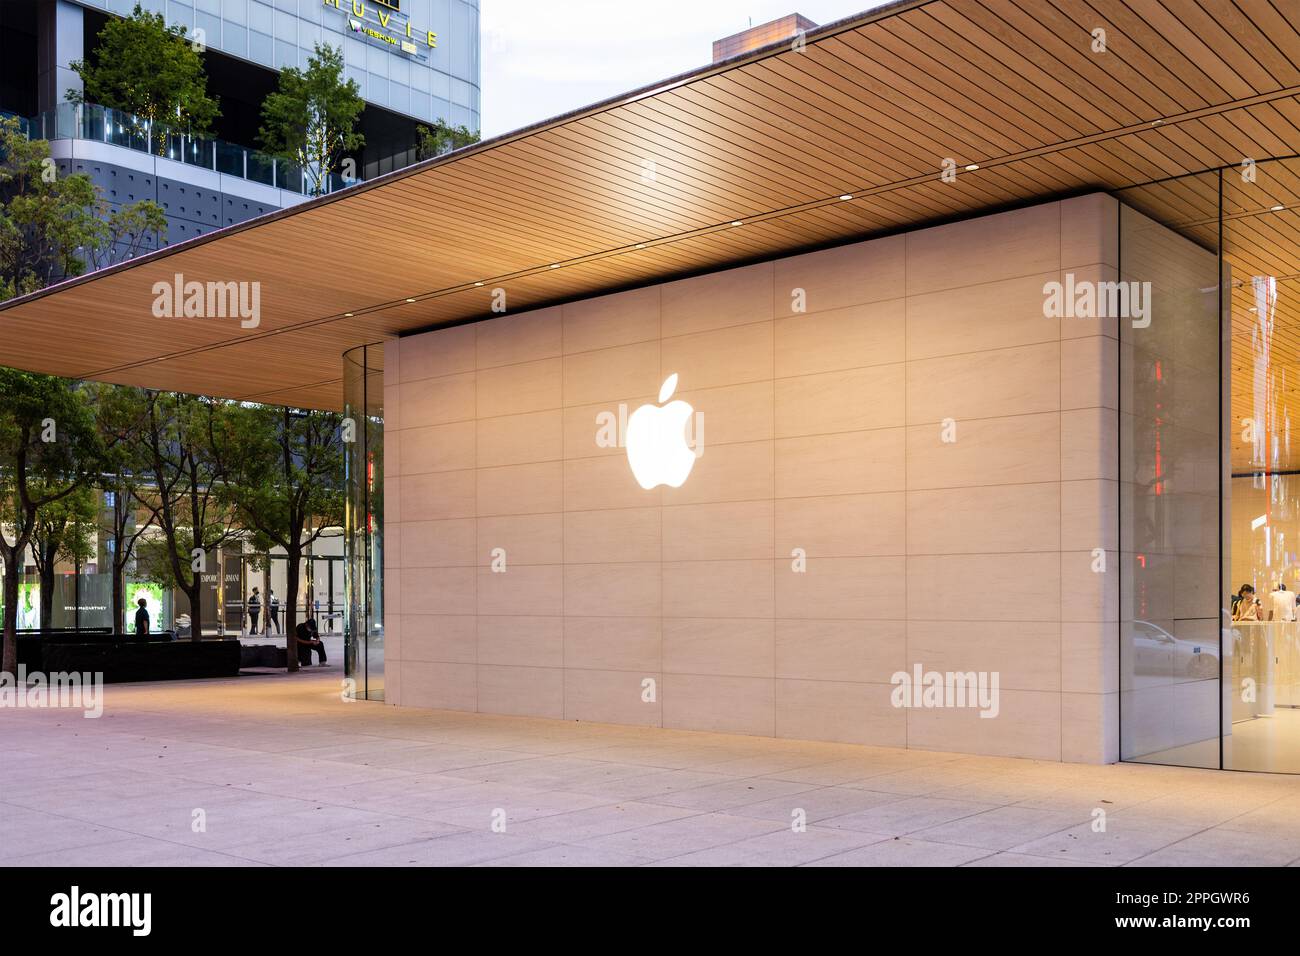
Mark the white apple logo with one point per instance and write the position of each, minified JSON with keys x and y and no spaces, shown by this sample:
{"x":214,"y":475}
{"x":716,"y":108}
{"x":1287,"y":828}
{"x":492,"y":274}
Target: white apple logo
{"x":656,"y":441}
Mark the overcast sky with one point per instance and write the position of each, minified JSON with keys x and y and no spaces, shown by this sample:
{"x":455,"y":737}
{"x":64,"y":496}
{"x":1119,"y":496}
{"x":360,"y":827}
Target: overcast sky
{"x":542,"y":58}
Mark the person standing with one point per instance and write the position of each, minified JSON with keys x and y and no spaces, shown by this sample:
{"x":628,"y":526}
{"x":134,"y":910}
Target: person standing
{"x":254,"y":607}
{"x":1283,"y":608}
{"x":142,"y":618}
{"x":272,"y":611}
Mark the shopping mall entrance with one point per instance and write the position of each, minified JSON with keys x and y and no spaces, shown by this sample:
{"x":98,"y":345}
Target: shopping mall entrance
{"x":320,"y":593}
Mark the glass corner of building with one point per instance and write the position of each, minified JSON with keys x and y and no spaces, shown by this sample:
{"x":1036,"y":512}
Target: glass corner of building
{"x":363,"y":455}
{"x":1209,"y":482}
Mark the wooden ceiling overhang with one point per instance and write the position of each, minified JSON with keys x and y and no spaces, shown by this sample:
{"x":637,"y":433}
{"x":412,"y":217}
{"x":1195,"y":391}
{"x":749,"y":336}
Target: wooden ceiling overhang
{"x":747,"y":159}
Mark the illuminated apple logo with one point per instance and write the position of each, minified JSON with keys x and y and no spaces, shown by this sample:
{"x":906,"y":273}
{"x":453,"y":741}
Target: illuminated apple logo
{"x":656,"y":440}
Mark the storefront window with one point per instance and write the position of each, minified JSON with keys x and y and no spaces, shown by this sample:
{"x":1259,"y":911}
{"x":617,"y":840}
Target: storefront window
{"x":1169,"y":475}
{"x":1210,"y":483}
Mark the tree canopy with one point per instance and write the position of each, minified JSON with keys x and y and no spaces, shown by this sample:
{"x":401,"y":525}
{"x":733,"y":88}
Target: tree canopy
{"x":144,"y":67}
{"x":311,"y":119}
{"x":49,"y":448}
{"x":54,"y":225}
{"x":442,"y":138}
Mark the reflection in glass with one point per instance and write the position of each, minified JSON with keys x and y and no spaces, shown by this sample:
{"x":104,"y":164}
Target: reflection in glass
{"x":1262,"y":706}
{"x":363,"y":408}
{"x":1170,"y":478}
{"x":1168,"y":471}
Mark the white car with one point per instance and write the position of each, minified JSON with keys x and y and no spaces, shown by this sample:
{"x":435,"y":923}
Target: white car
{"x":1157,"y":653}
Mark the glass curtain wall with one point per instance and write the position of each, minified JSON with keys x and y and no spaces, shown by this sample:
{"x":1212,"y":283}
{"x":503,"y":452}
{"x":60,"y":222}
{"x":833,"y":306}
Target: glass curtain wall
{"x":1170,"y":354}
{"x":1210,"y":481}
{"x":363,"y":533}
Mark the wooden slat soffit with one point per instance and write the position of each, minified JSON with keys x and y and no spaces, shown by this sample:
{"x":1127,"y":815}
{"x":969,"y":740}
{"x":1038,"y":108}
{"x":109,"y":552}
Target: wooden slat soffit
{"x":649,"y":186}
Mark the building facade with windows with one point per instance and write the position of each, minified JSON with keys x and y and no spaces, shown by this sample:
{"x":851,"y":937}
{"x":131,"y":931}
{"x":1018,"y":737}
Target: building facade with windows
{"x":415,"y":61}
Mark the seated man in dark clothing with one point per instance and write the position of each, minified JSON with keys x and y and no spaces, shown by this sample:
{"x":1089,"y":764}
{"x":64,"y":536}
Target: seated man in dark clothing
{"x":307,"y":639}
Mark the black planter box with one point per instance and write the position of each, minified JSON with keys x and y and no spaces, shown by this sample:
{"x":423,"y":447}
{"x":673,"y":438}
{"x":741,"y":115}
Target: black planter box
{"x":130,"y":660}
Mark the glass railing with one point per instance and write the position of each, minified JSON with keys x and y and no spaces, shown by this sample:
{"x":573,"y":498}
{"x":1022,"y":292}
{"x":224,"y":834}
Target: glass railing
{"x":104,"y":125}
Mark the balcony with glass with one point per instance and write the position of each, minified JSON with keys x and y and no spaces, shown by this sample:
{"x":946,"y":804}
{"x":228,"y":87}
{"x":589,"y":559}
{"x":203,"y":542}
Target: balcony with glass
{"x":100,"y":124}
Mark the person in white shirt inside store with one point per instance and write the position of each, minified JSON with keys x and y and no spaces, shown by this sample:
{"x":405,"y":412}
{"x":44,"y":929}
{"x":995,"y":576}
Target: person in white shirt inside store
{"x":1283,"y":604}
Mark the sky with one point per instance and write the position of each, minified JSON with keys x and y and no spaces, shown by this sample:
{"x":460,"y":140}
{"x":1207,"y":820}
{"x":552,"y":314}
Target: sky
{"x":542,"y":58}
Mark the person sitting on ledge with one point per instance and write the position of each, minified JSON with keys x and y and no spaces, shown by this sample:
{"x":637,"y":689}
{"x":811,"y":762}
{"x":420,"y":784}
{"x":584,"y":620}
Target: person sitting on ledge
{"x":315,"y":636}
{"x":307,"y":638}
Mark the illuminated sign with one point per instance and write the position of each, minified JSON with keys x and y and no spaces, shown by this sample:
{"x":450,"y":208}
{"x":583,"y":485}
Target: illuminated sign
{"x":657,"y":448}
{"x":399,"y":35}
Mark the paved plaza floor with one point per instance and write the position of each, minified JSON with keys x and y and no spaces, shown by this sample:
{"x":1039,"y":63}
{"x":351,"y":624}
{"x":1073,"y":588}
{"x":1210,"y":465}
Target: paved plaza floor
{"x":277,"y":769}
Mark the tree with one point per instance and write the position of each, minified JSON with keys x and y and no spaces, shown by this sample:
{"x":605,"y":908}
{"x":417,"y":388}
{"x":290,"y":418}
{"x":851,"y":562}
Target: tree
{"x":45,"y":219}
{"x":121,"y":414}
{"x":63,"y":532}
{"x":129,"y":229}
{"x":48,"y":450}
{"x":289,"y":488}
{"x":311,"y":120}
{"x":442,"y":138}
{"x":185,"y":442}
{"x":150,"y":70}
{"x":53,"y":225}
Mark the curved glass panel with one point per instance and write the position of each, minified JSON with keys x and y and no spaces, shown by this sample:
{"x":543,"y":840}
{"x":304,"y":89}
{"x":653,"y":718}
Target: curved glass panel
{"x":363,"y":408}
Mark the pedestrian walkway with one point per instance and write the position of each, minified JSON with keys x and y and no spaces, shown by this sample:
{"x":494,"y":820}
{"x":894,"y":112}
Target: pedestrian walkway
{"x":278,"y":769}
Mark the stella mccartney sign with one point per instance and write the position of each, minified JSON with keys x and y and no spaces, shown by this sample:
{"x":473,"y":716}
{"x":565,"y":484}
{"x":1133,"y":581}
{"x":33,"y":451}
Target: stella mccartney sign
{"x":382,"y":28}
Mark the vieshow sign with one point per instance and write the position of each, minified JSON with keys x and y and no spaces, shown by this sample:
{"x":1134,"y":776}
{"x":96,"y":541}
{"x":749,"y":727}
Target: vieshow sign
{"x":385,"y":23}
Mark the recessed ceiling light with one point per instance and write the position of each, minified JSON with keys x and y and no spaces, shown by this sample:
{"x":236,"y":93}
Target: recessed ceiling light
{"x":410,"y":300}
{"x":737,"y":222}
{"x":971,"y":167}
{"x":846,"y":197}
{"x":555,"y":265}
{"x":347,"y":315}
{"x":1159,"y":122}
{"x":640,"y":245}
{"x":478,"y":283}
{"x":1252,"y":309}
{"x":1278,"y":208}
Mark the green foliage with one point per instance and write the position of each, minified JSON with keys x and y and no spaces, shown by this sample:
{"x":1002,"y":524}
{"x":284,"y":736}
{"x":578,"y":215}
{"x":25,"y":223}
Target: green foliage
{"x":48,"y":442}
{"x":146,"y":68}
{"x":120,"y":415}
{"x":291,"y":474}
{"x":442,"y":138}
{"x":65,"y":528}
{"x":288,"y":487}
{"x":46,"y":220}
{"x":127,"y":231}
{"x":53,"y":226}
{"x":49,"y":449}
{"x":311,"y":120}
{"x":187,"y":443}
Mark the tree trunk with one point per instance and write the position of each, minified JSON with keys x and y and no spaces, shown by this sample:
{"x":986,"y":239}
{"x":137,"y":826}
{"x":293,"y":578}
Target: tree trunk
{"x":47,"y":594}
{"x":293,"y":563}
{"x":119,"y":599}
{"x":9,"y":657}
{"x":196,"y":613}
